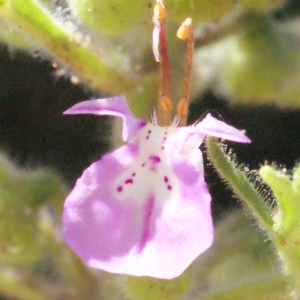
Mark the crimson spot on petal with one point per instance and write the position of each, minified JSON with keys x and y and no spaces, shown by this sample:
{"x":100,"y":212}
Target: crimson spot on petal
{"x":155,"y":159}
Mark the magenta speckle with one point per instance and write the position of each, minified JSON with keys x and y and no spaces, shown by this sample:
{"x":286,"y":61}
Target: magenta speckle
{"x":162,"y":148}
{"x":147,"y":137}
{"x":165,"y":138}
{"x":133,"y":174}
{"x":129,"y":181}
{"x":149,"y":131}
{"x":148,"y":211}
{"x":166,"y":179}
{"x":119,"y":188}
{"x":169,"y":187}
{"x":143,"y":165}
{"x":165,"y":132}
{"x":155,"y":159}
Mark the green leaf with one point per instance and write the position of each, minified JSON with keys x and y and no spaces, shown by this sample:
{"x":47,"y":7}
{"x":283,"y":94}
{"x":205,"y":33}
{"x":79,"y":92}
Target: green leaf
{"x":287,"y":221}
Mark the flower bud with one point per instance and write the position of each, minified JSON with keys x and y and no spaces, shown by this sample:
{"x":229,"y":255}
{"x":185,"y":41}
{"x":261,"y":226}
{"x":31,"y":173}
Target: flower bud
{"x":260,"y":62}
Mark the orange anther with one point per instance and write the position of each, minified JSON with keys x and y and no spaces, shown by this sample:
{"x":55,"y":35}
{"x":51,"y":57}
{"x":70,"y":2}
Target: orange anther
{"x":166,"y":103}
{"x":182,"y":107}
{"x":183,"y":32}
{"x":159,"y":10}
{"x":184,"y":29}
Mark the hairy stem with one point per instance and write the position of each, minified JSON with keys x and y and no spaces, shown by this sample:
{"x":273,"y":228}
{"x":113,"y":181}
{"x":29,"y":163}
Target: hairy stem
{"x":240,"y":184}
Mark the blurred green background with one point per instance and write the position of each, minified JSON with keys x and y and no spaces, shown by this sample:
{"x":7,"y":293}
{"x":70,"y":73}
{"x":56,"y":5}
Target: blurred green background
{"x":35,"y":135}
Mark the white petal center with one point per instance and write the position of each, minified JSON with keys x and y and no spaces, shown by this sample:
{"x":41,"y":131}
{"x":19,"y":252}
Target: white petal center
{"x":150,"y":174}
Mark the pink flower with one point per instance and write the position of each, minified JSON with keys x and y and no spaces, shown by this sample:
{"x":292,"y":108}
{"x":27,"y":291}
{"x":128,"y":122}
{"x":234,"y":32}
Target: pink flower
{"x":143,"y":209}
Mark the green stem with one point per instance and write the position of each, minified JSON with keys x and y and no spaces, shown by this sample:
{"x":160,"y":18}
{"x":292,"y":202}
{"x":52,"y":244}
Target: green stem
{"x":240,"y":184}
{"x":31,"y":18}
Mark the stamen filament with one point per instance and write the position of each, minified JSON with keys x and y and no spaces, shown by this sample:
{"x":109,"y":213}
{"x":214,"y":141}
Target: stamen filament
{"x":165,"y":106}
{"x":186,"y":32}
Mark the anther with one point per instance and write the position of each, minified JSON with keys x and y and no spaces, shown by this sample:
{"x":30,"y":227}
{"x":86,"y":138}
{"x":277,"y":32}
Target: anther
{"x":182,"y":107}
{"x":184,"y":30}
{"x":166,"y":104}
{"x":159,"y":10}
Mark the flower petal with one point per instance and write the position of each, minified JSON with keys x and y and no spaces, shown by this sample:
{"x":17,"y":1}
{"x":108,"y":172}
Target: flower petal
{"x":187,"y":143}
{"x":211,"y":126}
{"x":142,"y":210}
{"x":95,"y":223}
{"x":114,"y":106}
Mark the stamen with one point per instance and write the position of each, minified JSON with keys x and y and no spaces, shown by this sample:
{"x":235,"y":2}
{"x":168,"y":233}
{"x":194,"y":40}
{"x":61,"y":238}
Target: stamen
{"x":164,"y":107}
{"x":166,"y":104}
{"x":186,"y":32}
{"x":159,"y":10}
{"x":182,"y":107}
{"x":183,"y":31}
